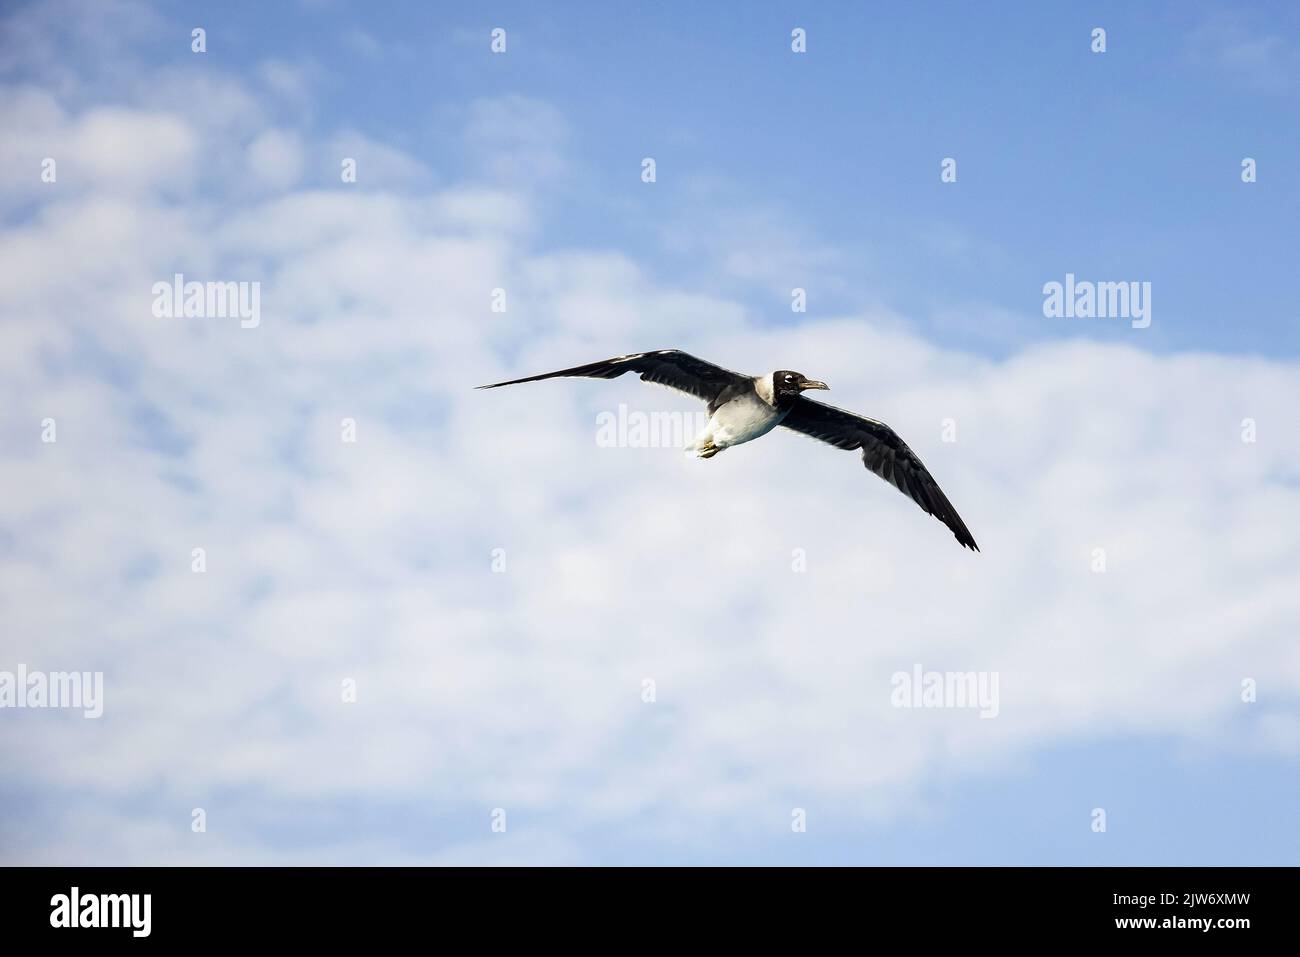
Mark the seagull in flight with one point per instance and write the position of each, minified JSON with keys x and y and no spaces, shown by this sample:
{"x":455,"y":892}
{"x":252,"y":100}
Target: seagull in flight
{"x":743,"y":408}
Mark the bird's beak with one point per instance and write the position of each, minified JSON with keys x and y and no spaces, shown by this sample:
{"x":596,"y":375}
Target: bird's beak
{"x":813,"y":384}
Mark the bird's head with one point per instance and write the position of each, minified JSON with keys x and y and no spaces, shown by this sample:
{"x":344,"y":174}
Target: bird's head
{"x":787,"y":384}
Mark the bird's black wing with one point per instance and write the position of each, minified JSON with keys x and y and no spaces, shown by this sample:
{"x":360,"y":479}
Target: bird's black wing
{"x":671,"y":367}
{"x":883,"y":452}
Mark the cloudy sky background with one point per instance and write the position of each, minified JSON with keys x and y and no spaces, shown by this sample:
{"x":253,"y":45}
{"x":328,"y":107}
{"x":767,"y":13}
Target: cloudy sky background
{"x":522,"y":690}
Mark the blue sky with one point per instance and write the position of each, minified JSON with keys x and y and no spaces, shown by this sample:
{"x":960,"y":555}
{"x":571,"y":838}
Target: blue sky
{"x":1121,"y":163}
{"x":521,"y":690}
{"x":1109,"y":164}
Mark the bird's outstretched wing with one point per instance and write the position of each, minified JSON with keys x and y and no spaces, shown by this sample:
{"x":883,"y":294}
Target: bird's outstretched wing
{"x":883,"y":452}
{"x":671,"y":367}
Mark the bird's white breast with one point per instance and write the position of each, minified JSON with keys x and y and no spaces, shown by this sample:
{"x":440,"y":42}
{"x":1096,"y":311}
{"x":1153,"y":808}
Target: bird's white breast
{"x":743,"y":419}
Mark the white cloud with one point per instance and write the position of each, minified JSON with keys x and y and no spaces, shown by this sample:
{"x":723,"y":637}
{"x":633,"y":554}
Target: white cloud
{"x":1243,"y":46}
{"x":289,"y":81}
{"x":377,"y":163}
{"x":518,"y":139}
{"x":110,"y":149}
{"x":275,"y":159}
{"x":78,"y":47}
{"x":362,"y":43}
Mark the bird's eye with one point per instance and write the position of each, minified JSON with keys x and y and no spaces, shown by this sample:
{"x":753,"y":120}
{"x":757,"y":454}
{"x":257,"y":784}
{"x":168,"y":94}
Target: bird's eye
{"x":789,"y":378}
